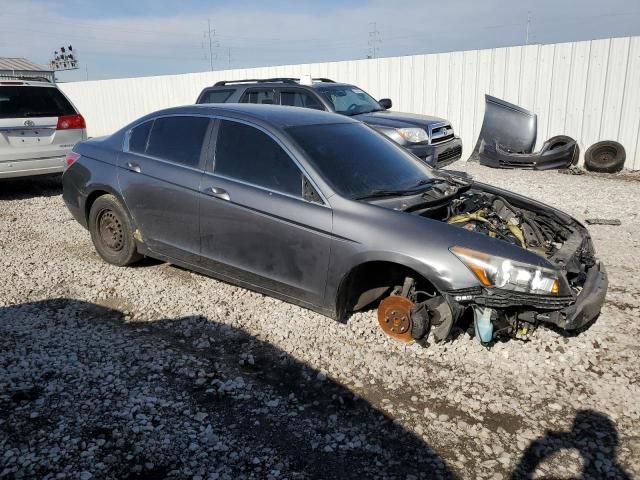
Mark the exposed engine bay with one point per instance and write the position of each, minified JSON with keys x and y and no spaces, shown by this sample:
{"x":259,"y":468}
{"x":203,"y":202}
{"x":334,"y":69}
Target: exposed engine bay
{"x":496,"y":217}
{"x":500,"y":307}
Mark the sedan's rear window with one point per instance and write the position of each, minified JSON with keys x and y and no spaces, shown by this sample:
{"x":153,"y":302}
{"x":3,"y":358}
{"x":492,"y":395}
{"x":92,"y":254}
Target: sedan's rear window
{"x":27,"y":101}
{"x":178,"y":139}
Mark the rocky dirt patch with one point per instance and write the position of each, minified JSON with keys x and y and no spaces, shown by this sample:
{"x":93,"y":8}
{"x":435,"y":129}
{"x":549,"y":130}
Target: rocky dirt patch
{"x":156,"y":372}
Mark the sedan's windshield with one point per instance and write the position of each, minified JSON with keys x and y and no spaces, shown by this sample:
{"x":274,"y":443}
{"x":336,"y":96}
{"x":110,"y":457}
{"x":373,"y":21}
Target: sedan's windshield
{"x":349,"y":100}
{"x":360,"y":163}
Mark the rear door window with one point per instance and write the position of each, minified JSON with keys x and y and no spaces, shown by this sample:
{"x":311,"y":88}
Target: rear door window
{"x":247,"y":154}
{"x":259,"y":95}
{"x":28,"y":101}
{"x":139,"y":136}
{"x":216,"y":96}
{"x":178,"y":139}
{"x":299,"y":98}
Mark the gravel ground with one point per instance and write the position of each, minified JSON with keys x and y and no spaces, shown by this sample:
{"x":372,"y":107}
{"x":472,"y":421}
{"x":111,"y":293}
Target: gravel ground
{"x":155,"y":372}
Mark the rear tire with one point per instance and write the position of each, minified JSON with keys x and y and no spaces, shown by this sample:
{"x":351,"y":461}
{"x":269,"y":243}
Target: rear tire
{"x":112,"y":232}
{"x":606,"y":156}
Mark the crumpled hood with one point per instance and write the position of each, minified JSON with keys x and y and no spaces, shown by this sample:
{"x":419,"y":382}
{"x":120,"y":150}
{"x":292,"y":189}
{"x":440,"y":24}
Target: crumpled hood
{"x":389,"y":118}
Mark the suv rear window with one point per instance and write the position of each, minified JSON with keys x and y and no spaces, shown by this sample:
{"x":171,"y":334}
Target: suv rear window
{"x":216,"y":96}
{"x":28,"y":101}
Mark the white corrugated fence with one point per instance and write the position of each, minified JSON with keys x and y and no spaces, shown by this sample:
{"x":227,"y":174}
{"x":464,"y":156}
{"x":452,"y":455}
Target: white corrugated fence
{"x":589,"y":90}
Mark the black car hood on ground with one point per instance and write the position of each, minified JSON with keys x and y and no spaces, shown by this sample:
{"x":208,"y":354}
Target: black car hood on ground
{"x":393,"y":119}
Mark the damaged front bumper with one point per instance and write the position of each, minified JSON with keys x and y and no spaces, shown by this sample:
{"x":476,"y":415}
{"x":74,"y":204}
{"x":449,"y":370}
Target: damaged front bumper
{"x":493,"y":155}
{"x":508,"y":136}
{"x":566,"y":312}
{"x":588,"y":303}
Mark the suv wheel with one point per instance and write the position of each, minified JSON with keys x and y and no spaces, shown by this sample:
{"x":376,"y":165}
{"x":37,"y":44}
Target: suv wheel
{"x":112,"y":232}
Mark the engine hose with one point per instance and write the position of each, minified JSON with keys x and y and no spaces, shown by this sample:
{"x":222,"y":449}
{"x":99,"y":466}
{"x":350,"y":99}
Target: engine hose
{"x":466,"y":217}
{"x":516,"y":232}
{"x":535,"y":229}
{"x":506,"y":204}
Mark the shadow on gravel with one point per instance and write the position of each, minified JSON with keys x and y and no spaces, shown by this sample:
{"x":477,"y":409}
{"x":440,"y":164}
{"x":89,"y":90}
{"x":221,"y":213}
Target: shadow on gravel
{"x":593,"y":435}
{"x":30,"y":187}
{"x":267,"y":411}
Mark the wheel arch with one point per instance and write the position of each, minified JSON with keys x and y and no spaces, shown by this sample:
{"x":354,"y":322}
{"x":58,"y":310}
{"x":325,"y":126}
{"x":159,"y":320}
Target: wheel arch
{"x":367,"y":282}
{"x":98,"y":191}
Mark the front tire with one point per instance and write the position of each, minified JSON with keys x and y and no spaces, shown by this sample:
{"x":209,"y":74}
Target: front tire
{"x":112,"y":232}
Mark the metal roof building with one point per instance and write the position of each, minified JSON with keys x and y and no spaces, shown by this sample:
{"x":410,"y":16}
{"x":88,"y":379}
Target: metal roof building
{"x":21,"y":67}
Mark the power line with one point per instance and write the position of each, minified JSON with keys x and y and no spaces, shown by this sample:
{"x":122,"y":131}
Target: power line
{"x":374,"y":40}
{"x":213,"y":43}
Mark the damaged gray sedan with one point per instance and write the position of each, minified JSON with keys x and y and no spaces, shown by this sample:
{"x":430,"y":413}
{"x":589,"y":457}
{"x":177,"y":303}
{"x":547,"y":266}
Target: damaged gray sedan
{"x":320,"y":210}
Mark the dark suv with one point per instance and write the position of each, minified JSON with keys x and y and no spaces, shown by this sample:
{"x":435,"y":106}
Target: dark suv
{"x":429,"y":138}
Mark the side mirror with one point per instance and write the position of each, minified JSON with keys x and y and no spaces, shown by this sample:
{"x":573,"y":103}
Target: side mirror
{"x":385,"y":103}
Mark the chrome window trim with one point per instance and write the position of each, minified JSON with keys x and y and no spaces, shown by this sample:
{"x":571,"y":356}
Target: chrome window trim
{"x":268,"y":190}
{"x":295,"y":161}
{"x":213,"y":117}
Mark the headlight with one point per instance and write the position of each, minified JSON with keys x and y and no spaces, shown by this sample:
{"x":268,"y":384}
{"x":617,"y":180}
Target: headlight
{"x":413,"y":135}
{"x":494,"y":271}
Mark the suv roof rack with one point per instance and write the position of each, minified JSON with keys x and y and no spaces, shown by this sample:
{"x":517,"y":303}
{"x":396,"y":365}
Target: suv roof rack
{"x":258,"y":80}
{"x":270,"y":80}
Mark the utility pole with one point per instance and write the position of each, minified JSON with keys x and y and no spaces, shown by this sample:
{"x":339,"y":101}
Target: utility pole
{"x":213,"y":43}
{"x":374,"y":40}
{"x":229,"y":57}
{"x":86,"y":69}
{"x":526,"y":42}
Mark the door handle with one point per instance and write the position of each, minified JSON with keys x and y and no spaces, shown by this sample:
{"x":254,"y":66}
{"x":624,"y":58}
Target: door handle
{"x":134,"y":167}
{"x":217,"y":192}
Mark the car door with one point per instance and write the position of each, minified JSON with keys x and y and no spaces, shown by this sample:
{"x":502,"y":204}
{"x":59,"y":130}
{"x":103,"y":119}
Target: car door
{"x":159,"y":174}
{"x":256,"y":225}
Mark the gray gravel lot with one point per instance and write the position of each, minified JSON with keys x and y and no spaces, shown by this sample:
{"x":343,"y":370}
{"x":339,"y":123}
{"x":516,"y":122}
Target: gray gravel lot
{"x":155,"y":372}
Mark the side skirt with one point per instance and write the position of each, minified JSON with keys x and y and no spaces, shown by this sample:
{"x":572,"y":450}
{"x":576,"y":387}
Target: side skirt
{"x":144,"y":250}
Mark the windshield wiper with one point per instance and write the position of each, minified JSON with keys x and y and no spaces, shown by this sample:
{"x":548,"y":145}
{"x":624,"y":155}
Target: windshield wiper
{"x":424,"y":181}
{"x":397,"y":193}
{"x":382,"y":193}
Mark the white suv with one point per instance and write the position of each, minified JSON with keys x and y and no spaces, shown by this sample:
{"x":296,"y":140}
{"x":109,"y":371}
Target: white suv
{"x":38,"y":128}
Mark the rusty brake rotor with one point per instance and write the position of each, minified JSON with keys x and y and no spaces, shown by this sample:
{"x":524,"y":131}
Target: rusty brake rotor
{"x":394,"y":316}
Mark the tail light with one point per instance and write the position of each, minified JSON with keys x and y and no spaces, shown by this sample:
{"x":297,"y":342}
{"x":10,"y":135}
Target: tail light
{"x":70,"y":122}
{"x":71,"y":158}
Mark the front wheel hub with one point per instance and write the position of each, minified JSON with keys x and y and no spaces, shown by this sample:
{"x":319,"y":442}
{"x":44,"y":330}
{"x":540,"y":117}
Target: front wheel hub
{"x":394,"y":316}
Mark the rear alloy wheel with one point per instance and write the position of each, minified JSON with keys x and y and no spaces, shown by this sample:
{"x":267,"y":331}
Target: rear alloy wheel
{"x":606,"y":156}
{"x":112,"y":232}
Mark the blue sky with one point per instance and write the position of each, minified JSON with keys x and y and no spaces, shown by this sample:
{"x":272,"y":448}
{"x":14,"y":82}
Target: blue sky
{"x":119,"y":38}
